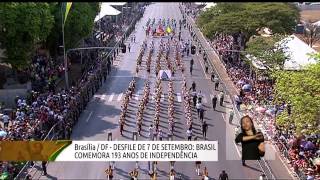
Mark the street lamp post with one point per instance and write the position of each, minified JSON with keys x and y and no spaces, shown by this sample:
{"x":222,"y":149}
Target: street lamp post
{"x":64,"y":53}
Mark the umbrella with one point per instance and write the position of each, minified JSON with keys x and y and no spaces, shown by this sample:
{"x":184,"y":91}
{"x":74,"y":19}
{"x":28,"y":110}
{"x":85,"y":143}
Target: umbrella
{"x":247,"y":87}
{"x":271,"y":111}
{"x":3,"y":133}
{"x":309,"y":145}
{"x":316,"y":161}
{"x":4,"y":175}
{"x":303,"y":143}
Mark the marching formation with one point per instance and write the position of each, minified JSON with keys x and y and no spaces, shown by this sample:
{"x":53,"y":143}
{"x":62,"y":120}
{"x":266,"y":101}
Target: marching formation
{"x":156,"y":121}
{"x":144,"y":101}
{"x":165,"y":63}
{"x":125,"y":102}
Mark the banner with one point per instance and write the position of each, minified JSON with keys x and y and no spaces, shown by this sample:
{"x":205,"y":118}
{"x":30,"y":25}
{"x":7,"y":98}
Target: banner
{"x":109,"y":151}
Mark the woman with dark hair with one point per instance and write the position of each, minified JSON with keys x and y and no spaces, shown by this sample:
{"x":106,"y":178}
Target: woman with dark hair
{"x":251,"y":140}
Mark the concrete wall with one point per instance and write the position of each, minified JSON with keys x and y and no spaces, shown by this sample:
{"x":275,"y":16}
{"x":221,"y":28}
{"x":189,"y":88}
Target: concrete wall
{"x":309,"y":7}
{"x":7,"y":96}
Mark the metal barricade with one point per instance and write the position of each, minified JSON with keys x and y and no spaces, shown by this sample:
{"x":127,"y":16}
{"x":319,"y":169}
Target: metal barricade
{"x":23,"y":172}
{"x":54,"y":132}
{"x":238,"y":114}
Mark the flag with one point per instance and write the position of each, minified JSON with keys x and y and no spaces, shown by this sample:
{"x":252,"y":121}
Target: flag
{"x":168,"y":30}
{"x":66,"y":7}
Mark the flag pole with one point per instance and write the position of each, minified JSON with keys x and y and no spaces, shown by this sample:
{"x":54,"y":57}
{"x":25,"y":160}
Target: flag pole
{"x":64,"y":53}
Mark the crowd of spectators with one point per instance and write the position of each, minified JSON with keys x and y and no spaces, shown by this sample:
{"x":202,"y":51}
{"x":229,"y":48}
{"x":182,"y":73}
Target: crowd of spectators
{"x":42,"y":109}
{"x":260,"y":97}
{"x":302,"y":152}
{"x":108,"y":29}
{"x":44,"y":71}
{"x":37,"y":114}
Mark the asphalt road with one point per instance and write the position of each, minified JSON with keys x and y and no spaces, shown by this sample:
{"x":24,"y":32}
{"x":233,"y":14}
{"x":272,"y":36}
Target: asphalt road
{"x":102,"y":114}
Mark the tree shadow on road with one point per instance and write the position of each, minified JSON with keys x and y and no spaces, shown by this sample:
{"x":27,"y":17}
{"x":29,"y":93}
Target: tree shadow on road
{"x":220,"y":111}
{"x":253,"y":168}
{"x":122,"y":173}
{"x":96,"y":124}
{"x":51,"y":177}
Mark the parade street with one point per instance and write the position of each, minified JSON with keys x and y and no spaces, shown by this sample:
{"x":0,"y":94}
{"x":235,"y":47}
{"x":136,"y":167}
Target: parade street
{"x":103,"y":113}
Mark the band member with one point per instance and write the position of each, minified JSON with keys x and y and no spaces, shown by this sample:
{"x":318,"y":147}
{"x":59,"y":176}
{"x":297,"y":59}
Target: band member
{"x":205,"y":174}
{"x":109,"y":172}
{"x":121,"y":127}
{"x":139,"y":127}
{"x":153,"y":176}
{"x":134,"y":174}
{"x":172,"y":174}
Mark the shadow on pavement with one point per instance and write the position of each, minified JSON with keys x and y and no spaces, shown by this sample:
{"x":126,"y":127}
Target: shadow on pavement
{"x":122,"y":173}
{"x":253,"y":168}
{"x":51,"y":177}
{"x":96,"y":124}
{"x":219,"y":111}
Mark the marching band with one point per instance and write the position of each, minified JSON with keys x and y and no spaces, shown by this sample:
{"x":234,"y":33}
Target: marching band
{"x":162,"y":61}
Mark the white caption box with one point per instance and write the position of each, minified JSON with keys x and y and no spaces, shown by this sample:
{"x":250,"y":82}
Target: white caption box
{"x":140,"y":151}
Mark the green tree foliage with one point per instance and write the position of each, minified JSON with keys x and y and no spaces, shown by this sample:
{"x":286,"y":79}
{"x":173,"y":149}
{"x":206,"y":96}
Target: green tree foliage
{"x":302,"y":89}
{"x":79,"y":24}
{"x":248,"y":18}
{"x":269,"y":50}
{"x":22,"y":27}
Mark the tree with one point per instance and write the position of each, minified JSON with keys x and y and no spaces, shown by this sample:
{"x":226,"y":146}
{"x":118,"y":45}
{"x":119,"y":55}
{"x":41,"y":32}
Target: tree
{"x":248,"y":18}
{"x":270,"y":51}
{"x":311,"y":33}
{"x":23,"y":26}
{"x":79,"y":24}
{"x":302,"y":90}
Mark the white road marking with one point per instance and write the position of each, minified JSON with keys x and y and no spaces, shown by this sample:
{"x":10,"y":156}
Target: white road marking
{"x":179,"y":97}
{"x":119,"y":97}
{"x":284,"y":164}
{"x":111,"y":97}
{"x":136,"y":97}
{"x":96,"y":96}
{"x":87,"y":120}
{"x":233,"y":141}
{"x":121,"y":76}
{"x":204,"y":99}
{"x":162,"y":98}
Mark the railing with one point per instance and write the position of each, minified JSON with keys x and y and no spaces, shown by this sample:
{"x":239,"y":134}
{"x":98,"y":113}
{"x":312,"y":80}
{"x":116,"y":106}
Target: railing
{"x":23,"y":172}
{"x":54,"y":132}
{"x":285,"y":153}
{"x":238,"y":114}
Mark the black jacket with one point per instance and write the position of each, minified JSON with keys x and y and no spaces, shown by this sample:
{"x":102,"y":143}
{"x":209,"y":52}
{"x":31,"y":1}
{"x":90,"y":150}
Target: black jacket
{"x":250,"y":149}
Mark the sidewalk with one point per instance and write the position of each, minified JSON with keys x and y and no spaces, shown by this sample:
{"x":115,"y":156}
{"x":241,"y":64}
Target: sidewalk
{"x":217,"y":64}
{"x":230,"y":88}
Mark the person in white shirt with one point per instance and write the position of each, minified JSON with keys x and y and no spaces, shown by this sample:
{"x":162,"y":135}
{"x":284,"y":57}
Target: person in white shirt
{"x":198,"y":106}
{"x":151,"y":132}
{"x":19,"y":102}
{"x":160,"y":134}
{"x":5,"y":119}
{"x":155,"y":132}
{"x":221,"y":95}
{"x":189,"y":134}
